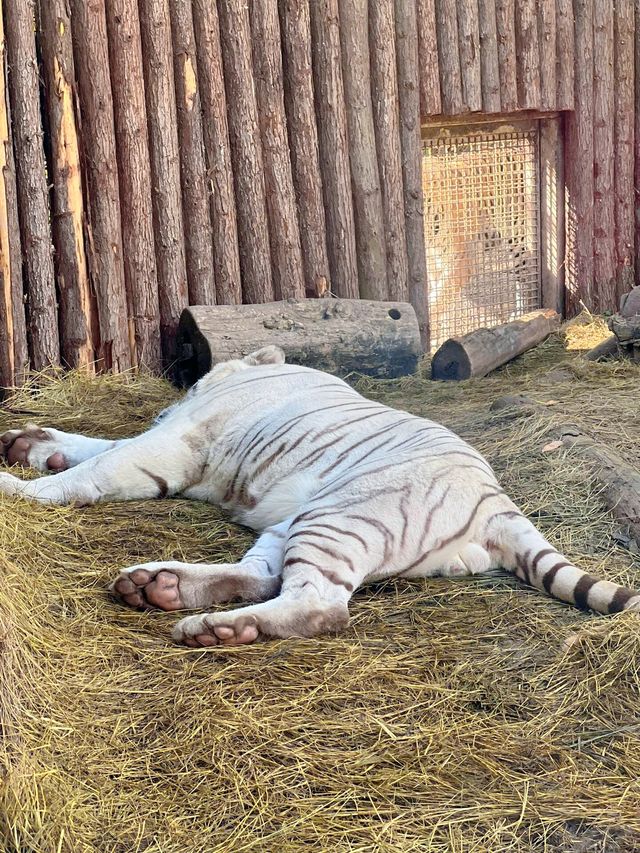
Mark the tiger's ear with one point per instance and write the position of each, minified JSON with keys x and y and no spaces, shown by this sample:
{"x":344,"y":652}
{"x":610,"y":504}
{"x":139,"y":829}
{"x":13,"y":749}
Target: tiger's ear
{"x":266,"y":355}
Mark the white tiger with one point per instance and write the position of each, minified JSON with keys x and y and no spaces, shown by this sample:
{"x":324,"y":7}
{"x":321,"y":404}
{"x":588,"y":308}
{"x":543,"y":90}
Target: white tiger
{"x":343,"y":490}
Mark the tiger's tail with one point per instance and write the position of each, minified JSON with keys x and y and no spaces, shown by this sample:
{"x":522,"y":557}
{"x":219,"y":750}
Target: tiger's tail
{"x":515,"y":544}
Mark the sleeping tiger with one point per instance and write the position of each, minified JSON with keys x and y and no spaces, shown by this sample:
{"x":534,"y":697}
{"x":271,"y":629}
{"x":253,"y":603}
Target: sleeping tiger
{"x":342,"y":490}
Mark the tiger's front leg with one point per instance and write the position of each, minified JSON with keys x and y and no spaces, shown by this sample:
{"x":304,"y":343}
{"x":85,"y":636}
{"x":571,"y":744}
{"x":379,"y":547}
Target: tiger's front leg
{"x":156,"y":464}
{"x":184,"y":586}
{"x":48,"y":449}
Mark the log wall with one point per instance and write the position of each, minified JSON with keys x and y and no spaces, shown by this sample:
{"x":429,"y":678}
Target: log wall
{"x":160,"y":153}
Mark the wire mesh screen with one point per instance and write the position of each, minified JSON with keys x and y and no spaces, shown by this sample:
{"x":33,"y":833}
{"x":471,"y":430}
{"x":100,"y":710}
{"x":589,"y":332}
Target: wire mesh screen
{"x":481,"y":220}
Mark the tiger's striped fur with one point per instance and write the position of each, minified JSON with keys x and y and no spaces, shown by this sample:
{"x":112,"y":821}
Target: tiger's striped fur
{"x":344,"y":491}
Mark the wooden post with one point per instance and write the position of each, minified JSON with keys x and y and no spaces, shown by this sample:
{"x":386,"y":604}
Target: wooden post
{"x":7,"y":355}
{"x":579,"y":167}
{"x":469,"y":46}
{"x":198,"y":236}
{"x":489,"y":56}
{"x":155,"y":30}
{"x":32,"y":182}
{"x":527,"y":55}
{"x":449,"y":57}
{"x":506,"y":29}
{"x":77,"y":305}
{"x":18,"y":320}
{"x":303,"y":139}
{"x":565,"y":59}
{"x":134,"y":175}
{"x":547,"y":42}
{"x":213,"y":100}
{"x":603,"y":153}
{"x":286,"y":252}
{"x":333,"y":147}
{"x":636,"y":144}
{"x":365,"y":178}
{"x":104,"y":238}
{"x":624,"y":140}
{"x":387,"y":127}
{"x":430,"y":101}
{"x":246,"y":149}
{"x":409,"y":103}
{"x":552,"y":215}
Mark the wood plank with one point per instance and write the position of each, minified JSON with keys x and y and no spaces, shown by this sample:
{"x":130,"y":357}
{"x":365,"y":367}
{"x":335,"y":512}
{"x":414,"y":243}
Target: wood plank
{"x":547,"y":43}
{"x":387,"y":128}
{"x":506,"y":30}
{"x":624,"y":145}
{"x":552,"y":214}
{"x":449,"y":57}
{"x":469,"y":47}
{"x":489,"y":56}
{"x":565,"y":57}
{"x":527,"y":55}
{"x":430,"y":100}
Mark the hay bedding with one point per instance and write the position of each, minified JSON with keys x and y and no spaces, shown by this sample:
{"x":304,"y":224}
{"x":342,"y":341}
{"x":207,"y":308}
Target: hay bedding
{"x":447,"y":718}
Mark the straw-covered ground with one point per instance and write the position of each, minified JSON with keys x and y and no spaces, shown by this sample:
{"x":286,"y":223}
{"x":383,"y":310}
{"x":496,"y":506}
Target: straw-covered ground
{"x":451,"y":715}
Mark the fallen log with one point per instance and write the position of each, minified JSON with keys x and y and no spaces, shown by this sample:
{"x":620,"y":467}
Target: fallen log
{"x":481,"y":351}
{"x":605,"y":349}
{"x":340,"y":336}
{"x":618,"y":479}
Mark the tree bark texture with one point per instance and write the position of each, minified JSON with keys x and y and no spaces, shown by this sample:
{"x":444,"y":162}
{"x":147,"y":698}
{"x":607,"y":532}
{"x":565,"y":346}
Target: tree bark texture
{"x":527,"y":55}
{"x":303,"y":139}
{"x":155,"y":30}
{"x":547,"y":43}
{"x":489,"y":56}
{"x":77,"y":304}
{"x":286,"y":253}
{"x":339,"y":336}
{"x":213,"y":100}
{"x":196,"y":209}
{"x":136,"y":207}
{"x":469,"y":46}
{"x":387,"y":129}
{"x":579,"y":167}
{"x":506,"y":29}
{"x":636,"y":144}
{"x":333,"y":147}
{"x":7,"y":355}
{"x":483,"y":350}
{"x":246,"y":149}
{"x":603,"y":154}
{"x":410,"y":137}
{"x":365,"y":178}
{"x":449,"y":57}
{"x":624,"y":144}
{"x":32,"y":183}
{"x":430,"y":100}
{"x":565,"y":59}
{"x":104,"y":239}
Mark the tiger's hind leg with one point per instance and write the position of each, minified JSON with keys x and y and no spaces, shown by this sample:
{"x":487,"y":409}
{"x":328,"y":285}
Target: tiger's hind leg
{"x":325,"y":560}
{"x":185,"y":586}
{"x":516,"y":545}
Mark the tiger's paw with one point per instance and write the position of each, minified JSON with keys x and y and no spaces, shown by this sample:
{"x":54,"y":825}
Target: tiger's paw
{"x":471,"y":560}
{"x":216,"y":629}
{"x":32,"y":447}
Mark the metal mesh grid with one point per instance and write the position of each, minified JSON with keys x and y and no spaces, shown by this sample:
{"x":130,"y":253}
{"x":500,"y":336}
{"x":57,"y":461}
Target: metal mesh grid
{"x":481,"y":223}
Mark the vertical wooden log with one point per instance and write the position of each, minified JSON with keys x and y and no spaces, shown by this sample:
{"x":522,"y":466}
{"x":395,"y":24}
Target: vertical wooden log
{"x":333,"y":146}
{"x":603,"y":127}
{"x":469,"y":45}
{"x":384,"y":86}
{"x":430,"y":101}
{"x":104,"y":239}
{"x":489,"y":56}
{"x":32,"y":182}
{"x":303,"y":138}
{"x":409,"y":103}
{"x":564,"y":54}
{"x":449,"y":57}
{"x":198,"y":236}
{"x":624,"y":142}
{"x":636,"y":144}
{"x":579,"y":167}
{"x":213,"y":100}
{"x":286,"y":252}
{"x":246,"y":150}
{"x":155,"y":31}
{"x":506,"y":29}
{"x":527,"y":55}
{"x":77,"y":305}
{"x":365,"y":179}
{"x":134,"y":174}
{"x":18,"y":320}
{"x":547,"y":42}
{"x":7,"y":355}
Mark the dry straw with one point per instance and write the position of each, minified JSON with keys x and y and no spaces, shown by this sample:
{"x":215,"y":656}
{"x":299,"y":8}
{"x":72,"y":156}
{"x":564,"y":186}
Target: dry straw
{"x":471,"y":715}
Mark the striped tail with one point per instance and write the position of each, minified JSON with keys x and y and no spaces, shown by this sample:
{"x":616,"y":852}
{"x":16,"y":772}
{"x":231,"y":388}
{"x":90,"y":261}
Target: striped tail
{"x":515,"y":544}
